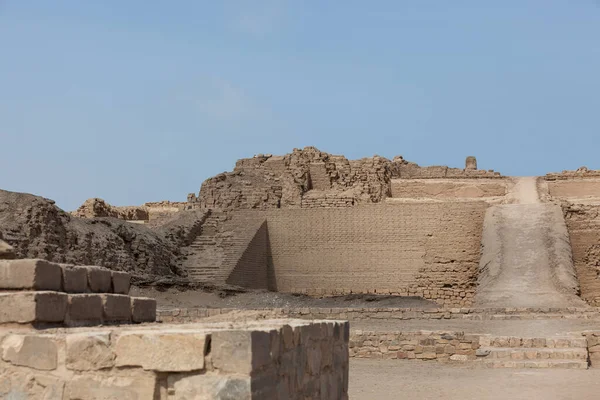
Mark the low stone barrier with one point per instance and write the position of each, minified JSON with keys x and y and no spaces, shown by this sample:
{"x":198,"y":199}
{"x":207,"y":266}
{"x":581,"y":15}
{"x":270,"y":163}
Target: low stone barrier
{"x":486,"y":350}
{"x":285,"y":359}
{"x":182,"y":315}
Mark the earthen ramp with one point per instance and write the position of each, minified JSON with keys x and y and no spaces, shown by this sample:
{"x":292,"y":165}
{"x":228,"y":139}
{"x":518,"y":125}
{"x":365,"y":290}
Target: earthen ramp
{"x":526,"y":258}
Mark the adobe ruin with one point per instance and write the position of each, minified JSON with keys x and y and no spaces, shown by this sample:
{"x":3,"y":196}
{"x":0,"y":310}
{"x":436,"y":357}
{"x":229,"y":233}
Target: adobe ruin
{"x":320,"y":231}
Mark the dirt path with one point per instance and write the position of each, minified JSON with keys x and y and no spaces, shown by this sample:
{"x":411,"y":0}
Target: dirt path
{"x":526,"y":259}
{"x":394,"y":379}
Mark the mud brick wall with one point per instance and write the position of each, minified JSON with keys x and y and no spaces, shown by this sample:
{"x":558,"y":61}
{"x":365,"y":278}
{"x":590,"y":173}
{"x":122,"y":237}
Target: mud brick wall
{"x":251,"y":269}
{"x":473,"y":188}
{"x":410,"y":170}
{"x":574,"y":188}
{"x":583,"y":223}
{"x":312,"y":199}
{"x":426,"y":249}
{"x":261,"y":360}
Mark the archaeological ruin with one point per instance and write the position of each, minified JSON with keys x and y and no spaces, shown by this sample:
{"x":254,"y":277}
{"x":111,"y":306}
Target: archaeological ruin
{"x":272,"y":279}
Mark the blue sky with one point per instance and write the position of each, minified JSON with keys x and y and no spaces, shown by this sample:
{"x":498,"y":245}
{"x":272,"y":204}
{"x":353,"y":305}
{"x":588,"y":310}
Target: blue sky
{"x":136,"y":101}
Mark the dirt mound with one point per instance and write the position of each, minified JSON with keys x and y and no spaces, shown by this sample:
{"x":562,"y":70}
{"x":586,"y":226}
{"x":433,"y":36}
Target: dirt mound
{"x":37,"y":228}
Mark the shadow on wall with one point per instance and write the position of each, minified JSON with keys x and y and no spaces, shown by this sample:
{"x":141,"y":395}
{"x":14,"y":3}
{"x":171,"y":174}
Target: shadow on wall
{"x":430,"y":250}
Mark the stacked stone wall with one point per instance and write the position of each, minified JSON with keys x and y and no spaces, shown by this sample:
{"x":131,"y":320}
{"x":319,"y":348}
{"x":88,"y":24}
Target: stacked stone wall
{"x":263,"y":360}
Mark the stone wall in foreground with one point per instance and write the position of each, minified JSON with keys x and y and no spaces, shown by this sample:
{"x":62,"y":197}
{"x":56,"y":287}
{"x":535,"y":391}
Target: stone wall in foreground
{"x":277,"y":359}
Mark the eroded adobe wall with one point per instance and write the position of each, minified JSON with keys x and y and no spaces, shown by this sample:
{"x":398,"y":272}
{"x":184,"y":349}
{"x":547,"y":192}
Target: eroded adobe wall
{"x":422,"y":249}
{"x":448,"y":188}
{"x":583,"y":223}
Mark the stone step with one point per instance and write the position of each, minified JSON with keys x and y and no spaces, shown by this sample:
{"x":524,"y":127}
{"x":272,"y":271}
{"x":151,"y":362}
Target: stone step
{"x":562,"y":364}
{"x":517,"y":354}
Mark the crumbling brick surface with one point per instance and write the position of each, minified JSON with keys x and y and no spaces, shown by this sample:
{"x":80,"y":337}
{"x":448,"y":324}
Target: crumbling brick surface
{"x":583,"y":223}
{"x":428,"y":249}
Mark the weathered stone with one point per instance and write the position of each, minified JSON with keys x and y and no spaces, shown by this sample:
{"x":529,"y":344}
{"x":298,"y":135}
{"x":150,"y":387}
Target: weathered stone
{"x":27,"y":307}
{"x":27,"y":385}
{"x":120,"y":282}
{"x":208,"y":386}
{"x":99,"y":279}
{"x":96,"y":387}
{"x":143,"y":309}
{"x":33,"y":351}
{"x":89,"y":351}
{"x":7,"y":252}
{"x":30,"y":274}
{"x":459,"y":357}
{"x":240,"y":351}
{"x":177,"y":351}
{"x":116,"y":308}
{"x":482,"y":352}
{"x":84,"y":308}
{"x":75,"y":278}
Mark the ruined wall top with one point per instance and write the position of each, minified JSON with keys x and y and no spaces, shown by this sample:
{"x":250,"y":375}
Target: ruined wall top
{"x":581,"y":172}
{"x":266,"y":181}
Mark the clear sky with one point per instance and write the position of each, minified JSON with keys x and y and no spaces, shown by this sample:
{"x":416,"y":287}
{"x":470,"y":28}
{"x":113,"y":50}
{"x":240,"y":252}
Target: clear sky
{"x":136,"y":101}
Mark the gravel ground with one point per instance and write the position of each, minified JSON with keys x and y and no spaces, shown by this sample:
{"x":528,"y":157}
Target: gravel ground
{"x":174,"y":297}
{"x":393,"y":380}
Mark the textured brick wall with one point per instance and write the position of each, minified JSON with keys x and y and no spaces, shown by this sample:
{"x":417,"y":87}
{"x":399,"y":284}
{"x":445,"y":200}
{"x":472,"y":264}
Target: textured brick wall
{"x":473,"y":188}
{"x":426,"y":249}
{"x":583,"y":223}
{"x":251,"y":269}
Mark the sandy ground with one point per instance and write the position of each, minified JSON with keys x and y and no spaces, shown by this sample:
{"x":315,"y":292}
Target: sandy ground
{"x":176,"y":298}
{"x":526,"y":259}
{"x":394,"y":380}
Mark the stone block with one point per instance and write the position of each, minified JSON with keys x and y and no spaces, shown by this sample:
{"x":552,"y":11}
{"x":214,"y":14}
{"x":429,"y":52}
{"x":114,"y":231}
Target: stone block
{"x":143,"y":309}
{"x":30,"y":274}
{"x":240,"y":351}
{"x":33,"y":351}
{"x":89,"y":351}
{"x":84,"y":309}
{"x":116,"y":308}
{"x":28,"y":307}
{"x":121,"y":282}
{"x":23,"y":384}
{"x":174,"y":351}
{"x":209,"y":386}
{"x":99,"y":387}
{"x":75,"y":279}
{"x":99,"y":279}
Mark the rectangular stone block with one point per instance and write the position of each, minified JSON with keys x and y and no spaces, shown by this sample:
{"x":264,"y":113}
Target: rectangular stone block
{"x":175,"y":351}
{"x":240,"y":351}
{"x":99,"y":279}
{"x":116,"y":308}
{"x":143,"y":309}
{"x":100,"y":387}
{"x":30,"y":274}
{"x":84,"y":309}
{"x":33,"y":351}
{"x":89,"y":351}
{"x":204,"y":386}
{"x":75,"y":278}
{"x":120,"y":282}
{"x":29,"y":307}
